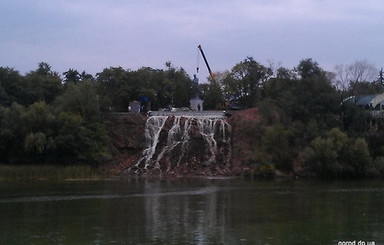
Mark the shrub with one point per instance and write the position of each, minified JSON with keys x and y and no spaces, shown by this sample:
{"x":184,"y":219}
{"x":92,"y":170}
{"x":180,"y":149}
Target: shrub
{"x":338,"y":155}
{"x":276,"y":144}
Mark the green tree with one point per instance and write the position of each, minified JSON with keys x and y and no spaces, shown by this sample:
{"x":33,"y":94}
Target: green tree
{"x":86,"y":76}
{"x":153,"y":85}
{"x":308,"y":69}
{"x":36,"y":144}
{"x":80,"y":99}
{"x":304,"y":96}
{"x":12,"y":132}
{"x":43,"y":84}
{"x":276,"y":144}
{"x":356,"y":158}
{"x":314,"y":97}
{"x":80,"y":141}
{"x":39,"y":133}
{"x":70,"y":137}
{"x":338,"y":155}
{"x":39,"y":117}
{"x":244,"y":83}
{"x":278,"y":93}
{"x":212,"y":95}
{"x":115,"y":88}
{"x":324,"y":158}
{"x":182,"y":86}
{"x":72,"y":76}
{"x":12,"y":87}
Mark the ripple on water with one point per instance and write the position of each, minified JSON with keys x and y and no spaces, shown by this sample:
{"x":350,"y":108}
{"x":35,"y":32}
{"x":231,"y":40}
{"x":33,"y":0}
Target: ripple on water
{"x":199,"y":191}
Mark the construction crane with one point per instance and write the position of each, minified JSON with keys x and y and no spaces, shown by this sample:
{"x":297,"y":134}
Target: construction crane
{"x":206,"y":63}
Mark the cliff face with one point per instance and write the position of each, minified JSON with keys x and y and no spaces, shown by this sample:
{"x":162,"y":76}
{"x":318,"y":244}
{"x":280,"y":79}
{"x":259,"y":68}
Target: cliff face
{"x":127,"y":136}
{"x":243,"y":138}
{"x":184,"y":146}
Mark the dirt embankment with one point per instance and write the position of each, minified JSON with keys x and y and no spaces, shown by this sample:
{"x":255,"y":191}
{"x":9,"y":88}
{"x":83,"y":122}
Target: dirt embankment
{"x":242,"y":142}
{"x":127,"y":133}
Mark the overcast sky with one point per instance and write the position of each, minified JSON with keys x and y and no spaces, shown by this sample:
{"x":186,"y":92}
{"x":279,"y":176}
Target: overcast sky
{"x":93,"y":34}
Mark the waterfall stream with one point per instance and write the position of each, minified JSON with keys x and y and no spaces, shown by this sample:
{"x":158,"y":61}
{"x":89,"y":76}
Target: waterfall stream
{"x":185,"y":144}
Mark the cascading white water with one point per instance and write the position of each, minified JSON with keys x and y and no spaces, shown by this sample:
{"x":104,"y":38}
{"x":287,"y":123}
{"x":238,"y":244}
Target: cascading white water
{"x":187,"y":138}
{"x":153,"y":128}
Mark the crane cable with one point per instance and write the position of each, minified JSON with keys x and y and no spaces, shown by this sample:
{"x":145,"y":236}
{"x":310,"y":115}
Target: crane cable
{"x":197,"y":63}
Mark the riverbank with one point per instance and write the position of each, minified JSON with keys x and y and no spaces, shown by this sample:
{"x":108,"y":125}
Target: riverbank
{"x":51,"y":172}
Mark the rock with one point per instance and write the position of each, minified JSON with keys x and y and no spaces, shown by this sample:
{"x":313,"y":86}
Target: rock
{"x":234,"y":142}
{"x":127,"y":139}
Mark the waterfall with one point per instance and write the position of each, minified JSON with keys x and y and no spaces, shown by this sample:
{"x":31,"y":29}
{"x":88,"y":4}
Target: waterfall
{"x":185,"y":144}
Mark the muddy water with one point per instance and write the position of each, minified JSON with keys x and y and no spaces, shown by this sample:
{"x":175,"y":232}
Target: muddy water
{"x":192,"y":211}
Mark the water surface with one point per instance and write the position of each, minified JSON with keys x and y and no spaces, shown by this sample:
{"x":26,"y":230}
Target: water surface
{"x":191,"y":211}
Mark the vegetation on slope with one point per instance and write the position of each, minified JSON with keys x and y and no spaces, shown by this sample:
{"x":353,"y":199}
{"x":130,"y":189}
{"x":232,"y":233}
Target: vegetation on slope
{"x":303,"y":125}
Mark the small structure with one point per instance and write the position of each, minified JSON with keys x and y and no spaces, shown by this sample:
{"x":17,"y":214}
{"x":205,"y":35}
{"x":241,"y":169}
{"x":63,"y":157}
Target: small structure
{"x":135,"y":106}
{"x":196,"y":104}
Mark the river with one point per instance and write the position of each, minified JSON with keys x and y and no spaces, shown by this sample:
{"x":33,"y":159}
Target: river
{"x":192,"y":211}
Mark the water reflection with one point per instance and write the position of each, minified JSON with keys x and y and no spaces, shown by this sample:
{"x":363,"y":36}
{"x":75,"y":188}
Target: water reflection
{"x":191,"y":211}
{"x":199,"y":217}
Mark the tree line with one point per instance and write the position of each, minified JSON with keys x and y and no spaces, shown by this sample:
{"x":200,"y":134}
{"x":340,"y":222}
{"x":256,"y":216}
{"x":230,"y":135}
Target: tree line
{"x":47,"y":117}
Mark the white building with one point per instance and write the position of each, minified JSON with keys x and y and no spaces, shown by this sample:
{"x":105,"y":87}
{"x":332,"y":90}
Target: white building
{"x":196,"y":104}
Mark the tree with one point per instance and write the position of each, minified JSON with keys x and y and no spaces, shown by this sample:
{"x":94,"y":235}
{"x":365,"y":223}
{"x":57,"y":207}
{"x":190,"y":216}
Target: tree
{"x":276,"y":143}
{"x":115,"y":88}
{"x":42,"y":84}
{"x":79,"y":140}
{"x":337,"y":154}
{"x":36,"y":145}
{"x":162,"y":88}
{"x":359,"y":157}
{"x":324,"y":157}
{"x":39,"y":133}
{"x":12,"y":132}
{"x":182,"y":86}
{"x":303,"y":95}
{"x":314,"y":98}
{"x":349,"y":78}
{"x":212,"y":95}
{"x":86,"y":76}
{"x":244,"y":83}
{"x":279,"y":90}
{"x":12,"y":87}
{"x":39,"y":117}
{"x":308,"y":69}
{"x":72,"y":76}
{"x":80,"y":99}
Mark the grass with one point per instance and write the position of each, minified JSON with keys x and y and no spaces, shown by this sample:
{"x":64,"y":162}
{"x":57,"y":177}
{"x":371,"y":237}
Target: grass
{"x":51,"y":172}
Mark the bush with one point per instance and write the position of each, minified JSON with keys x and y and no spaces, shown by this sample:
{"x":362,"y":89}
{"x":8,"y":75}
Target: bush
{"x":338,"y":155}
{"x":378,"y":164}
{"x":276,"y":144}
{"x":360,"y":156}
{"x":263,"y":170}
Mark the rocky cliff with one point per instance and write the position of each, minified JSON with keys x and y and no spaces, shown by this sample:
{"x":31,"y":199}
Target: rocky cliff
{"x":184,"y":146}
{"x":126,"y":132}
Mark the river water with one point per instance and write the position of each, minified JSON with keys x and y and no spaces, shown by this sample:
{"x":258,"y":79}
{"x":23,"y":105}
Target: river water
{"x":192,"y":211}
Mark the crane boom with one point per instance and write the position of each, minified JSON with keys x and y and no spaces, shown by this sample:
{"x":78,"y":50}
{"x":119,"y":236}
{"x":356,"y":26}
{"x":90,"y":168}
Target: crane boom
{"x":206,"y":63}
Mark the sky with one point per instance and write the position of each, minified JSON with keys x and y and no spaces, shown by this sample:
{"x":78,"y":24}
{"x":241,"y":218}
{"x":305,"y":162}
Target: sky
{"x":90,"y":35}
